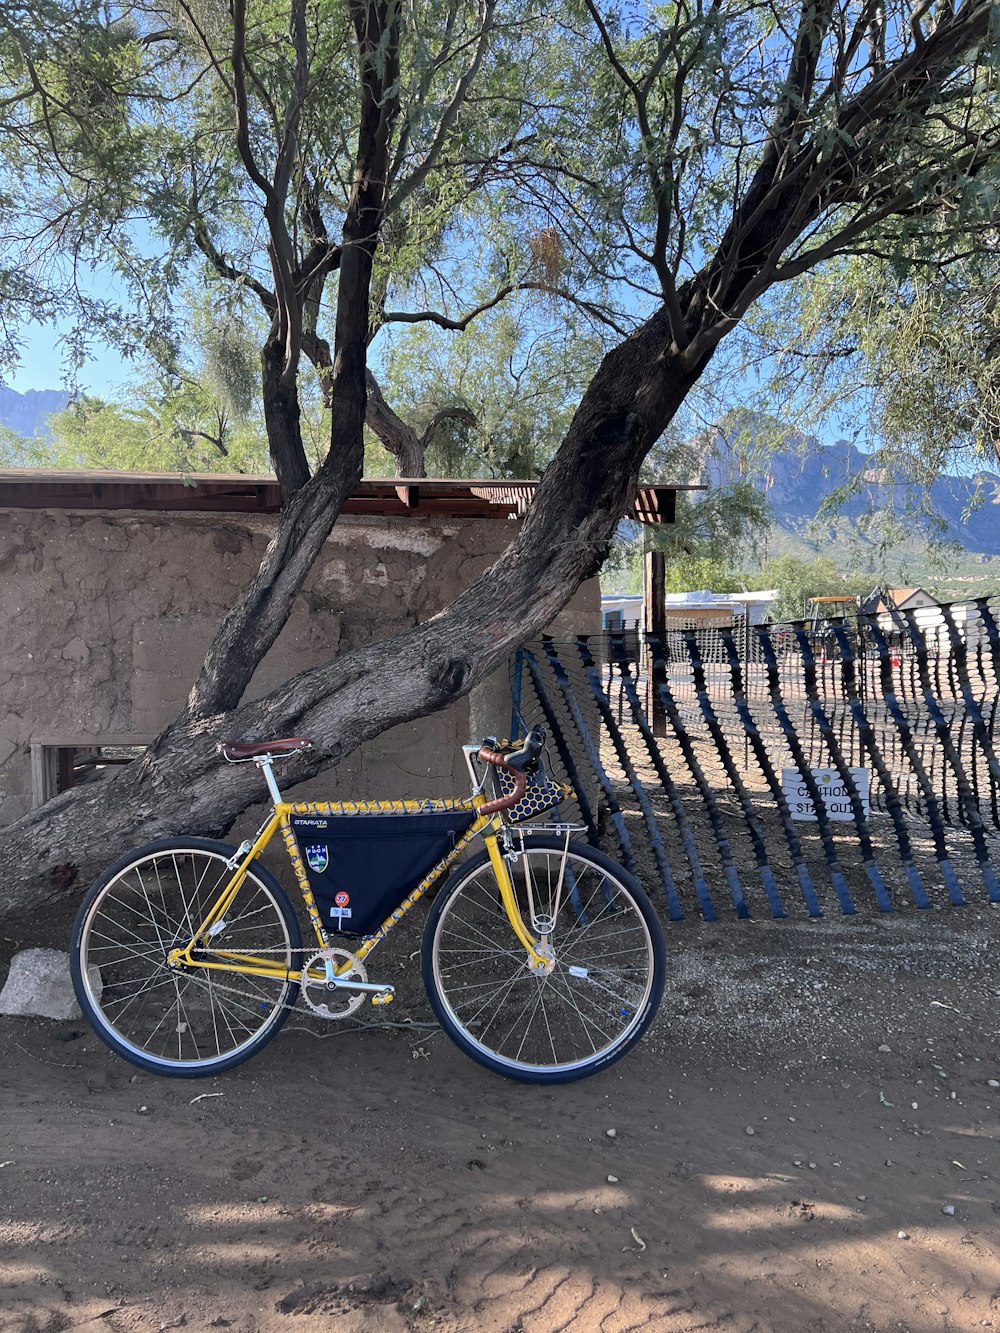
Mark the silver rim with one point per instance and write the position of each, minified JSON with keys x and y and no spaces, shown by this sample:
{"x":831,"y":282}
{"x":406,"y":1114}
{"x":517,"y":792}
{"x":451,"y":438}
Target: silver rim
{"x":587,"y":1007}
{"x":186,"y":1018}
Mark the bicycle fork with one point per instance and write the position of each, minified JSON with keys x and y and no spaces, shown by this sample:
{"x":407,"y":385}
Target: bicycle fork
{"x":540,"y":957}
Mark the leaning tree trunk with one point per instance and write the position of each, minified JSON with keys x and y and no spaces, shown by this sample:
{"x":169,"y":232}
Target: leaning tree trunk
{"x":180,"y":786}
{"x":397,"y":435}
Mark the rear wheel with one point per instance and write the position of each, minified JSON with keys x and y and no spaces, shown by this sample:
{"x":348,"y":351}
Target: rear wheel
{"x":603,"y":988}
{"x":189,"y":1021}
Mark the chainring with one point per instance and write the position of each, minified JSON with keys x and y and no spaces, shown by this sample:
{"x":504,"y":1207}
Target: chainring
{"x":331,"y":1001}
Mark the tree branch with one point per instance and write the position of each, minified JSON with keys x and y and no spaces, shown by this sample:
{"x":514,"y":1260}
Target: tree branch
{"x":448,"y":116}
{"x":461,"y":322}
{"x":199,"y":231}
{"x":447,"y":414}
{"x":399,"y":438}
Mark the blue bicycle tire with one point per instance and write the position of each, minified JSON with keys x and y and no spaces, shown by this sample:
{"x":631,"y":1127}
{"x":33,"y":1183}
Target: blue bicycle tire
{"x":125,"y":928}
{"x":602,"y":993}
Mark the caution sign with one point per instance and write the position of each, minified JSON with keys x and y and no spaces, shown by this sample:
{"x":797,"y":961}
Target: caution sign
{"x":832,"y":789}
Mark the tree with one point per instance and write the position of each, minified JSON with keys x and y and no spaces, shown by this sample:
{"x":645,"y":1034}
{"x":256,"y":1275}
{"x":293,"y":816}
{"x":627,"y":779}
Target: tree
{"x":704,"y":572}
{"x":734,"y":147}
{"x":798,"y":581}
{"x":17,"y":452}
{"x":179,"y":433}
{"x":196,"y":414}
{"x":497,"y":400}
{"x":714,"y":530}
{"x":903,"y":349}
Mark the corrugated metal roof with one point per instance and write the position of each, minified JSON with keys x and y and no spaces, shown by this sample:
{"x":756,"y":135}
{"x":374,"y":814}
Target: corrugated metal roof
{"x":214,"y":492}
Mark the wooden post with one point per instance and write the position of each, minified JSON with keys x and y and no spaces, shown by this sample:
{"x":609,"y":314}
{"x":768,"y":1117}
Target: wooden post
{"x":744,"y":650}
{"x":654,"y":622}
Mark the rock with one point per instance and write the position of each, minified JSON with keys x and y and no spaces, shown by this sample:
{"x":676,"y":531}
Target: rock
{"x":612,"y":1180}
{"x":749,"y":1129}
{"x":993,"y":1083}
{"x":949,"y":1210}
{"x":903,"y":1235}
{"x":38,"y":985}
{"x":611,"y":1133}
{"x":886,"y":1050}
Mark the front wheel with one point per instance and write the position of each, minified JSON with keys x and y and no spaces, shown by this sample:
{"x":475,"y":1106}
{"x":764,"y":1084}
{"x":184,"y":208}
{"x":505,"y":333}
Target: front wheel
{"x":606,"y":978}
{"x":188,"y":1021}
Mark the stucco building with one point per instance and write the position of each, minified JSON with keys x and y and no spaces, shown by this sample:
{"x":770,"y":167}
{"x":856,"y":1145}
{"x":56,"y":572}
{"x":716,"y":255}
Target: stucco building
{"x":112,"y":586}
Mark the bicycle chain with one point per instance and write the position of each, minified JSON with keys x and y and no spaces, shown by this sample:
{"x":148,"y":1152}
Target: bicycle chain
{"x":312,"y":954}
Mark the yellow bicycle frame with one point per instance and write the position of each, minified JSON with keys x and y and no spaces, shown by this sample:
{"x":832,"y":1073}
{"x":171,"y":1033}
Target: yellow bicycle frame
{"x":252,"y":965}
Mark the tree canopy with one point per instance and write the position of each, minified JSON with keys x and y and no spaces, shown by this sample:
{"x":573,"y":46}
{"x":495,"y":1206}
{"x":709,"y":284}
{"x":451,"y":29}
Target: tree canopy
{"x":902,"y":351}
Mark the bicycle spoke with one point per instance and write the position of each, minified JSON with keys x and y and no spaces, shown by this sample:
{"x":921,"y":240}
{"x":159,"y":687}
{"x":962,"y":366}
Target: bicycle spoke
{"x":559,"y":982}
{"x":127,"y":1001}
{"x":527,"y":1026}
{"x":491,"y":945}
{"x":591,"y":1002}
{"x":188,"y":1016}
{"x":143,"y":916}
{"x":474,"y":1017}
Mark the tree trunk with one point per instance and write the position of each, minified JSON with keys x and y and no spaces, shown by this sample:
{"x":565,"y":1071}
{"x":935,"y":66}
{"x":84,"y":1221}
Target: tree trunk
{"x":400,"y":439}
{"x":407,"y":447}
{"x":282,"y":421}
{"x":313,"y":504}
{"x":181,"y":785}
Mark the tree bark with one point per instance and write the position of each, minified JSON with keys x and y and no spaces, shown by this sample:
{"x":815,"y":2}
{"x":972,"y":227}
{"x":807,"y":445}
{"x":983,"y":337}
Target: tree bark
{"x":313,"y":505}
{"x":282,"y":421}
{"x":407,"y":447}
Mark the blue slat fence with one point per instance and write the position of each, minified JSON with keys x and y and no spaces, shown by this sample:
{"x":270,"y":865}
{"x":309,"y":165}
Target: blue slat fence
{"x":883,"y":727}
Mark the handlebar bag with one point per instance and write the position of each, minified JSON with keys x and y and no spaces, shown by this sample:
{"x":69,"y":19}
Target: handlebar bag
{"x":361,"y":866}
{"x":540,"y":794}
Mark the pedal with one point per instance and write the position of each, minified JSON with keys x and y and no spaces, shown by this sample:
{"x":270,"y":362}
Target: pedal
{"x":383,"y":997}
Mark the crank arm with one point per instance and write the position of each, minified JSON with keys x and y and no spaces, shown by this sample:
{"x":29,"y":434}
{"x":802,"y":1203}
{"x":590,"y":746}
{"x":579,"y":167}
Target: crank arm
{"x":370,"y":986}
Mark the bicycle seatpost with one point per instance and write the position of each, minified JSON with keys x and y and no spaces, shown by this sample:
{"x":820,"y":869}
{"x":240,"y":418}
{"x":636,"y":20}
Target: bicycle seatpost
{"x":264,"y":763}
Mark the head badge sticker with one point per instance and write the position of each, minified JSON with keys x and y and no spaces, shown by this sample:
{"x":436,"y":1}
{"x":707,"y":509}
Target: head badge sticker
{"x":318,"y":857}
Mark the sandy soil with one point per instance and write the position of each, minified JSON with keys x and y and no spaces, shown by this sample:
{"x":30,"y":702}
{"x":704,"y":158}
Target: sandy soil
{"x":812,"y":1099}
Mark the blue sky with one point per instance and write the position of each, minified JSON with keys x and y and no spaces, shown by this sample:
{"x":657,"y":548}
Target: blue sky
{"x":43,"y":364}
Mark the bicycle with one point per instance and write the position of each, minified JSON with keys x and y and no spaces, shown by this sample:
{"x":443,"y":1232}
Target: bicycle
{"x":542,"y":959}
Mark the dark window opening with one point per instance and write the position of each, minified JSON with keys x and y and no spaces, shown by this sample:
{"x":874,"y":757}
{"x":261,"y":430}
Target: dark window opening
{"x":78,"y":765}
{"x":59,"y":768}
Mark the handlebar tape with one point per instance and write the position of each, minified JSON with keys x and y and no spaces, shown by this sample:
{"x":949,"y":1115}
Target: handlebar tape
{"x":520,"y":783}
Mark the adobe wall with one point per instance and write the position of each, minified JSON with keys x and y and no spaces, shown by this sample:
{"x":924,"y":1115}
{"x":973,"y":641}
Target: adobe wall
{"x":105,"y":618}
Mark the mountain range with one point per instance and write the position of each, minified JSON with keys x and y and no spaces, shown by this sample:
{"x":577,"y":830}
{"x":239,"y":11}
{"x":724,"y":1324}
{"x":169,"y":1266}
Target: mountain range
{"x":26,"y":413}
{"x":797,"y":479}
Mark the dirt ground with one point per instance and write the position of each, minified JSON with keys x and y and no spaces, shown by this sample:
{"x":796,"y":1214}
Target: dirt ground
{"x":805,"y":1141}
